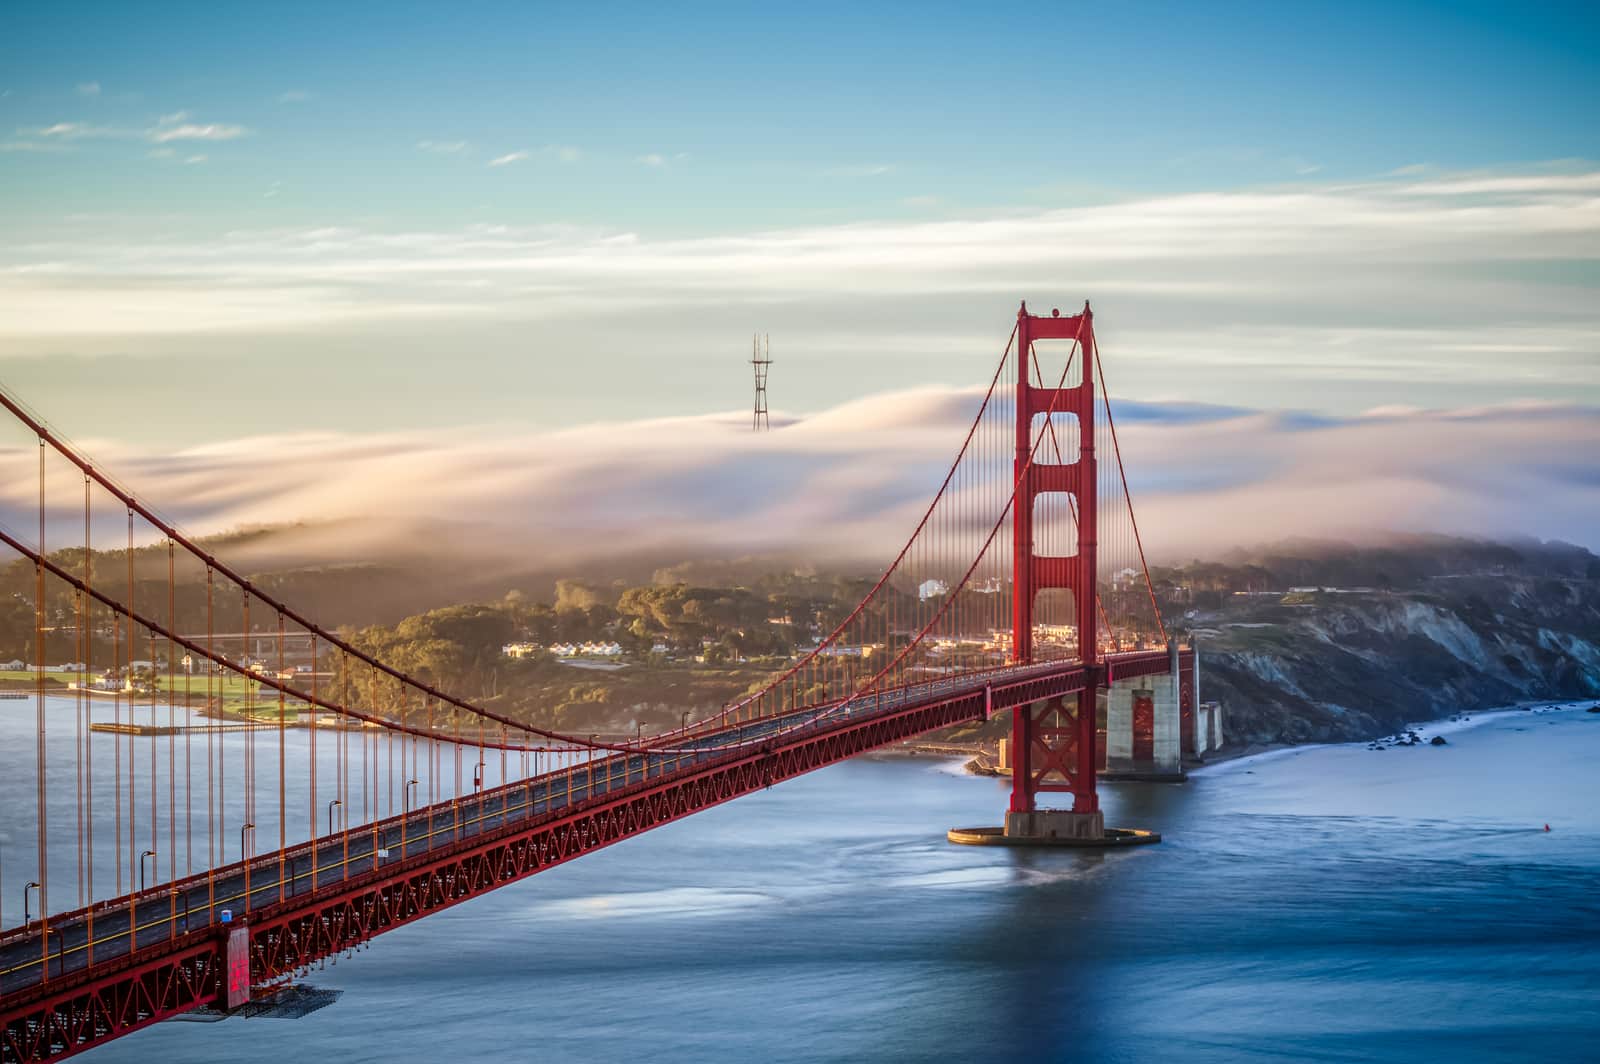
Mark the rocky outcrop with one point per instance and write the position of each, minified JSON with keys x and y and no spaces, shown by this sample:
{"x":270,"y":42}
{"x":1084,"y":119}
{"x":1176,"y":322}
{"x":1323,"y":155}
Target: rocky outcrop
{"x":1341,"y":667}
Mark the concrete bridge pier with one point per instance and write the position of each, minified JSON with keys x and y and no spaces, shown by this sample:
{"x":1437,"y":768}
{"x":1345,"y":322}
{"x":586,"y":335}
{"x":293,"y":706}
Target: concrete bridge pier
{"x":1144,"y":727}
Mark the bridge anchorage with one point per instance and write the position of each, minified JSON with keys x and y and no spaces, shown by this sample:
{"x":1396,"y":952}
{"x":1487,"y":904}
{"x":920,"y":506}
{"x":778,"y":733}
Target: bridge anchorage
{"x":227,"y":794}
{"x":1055,"y":745}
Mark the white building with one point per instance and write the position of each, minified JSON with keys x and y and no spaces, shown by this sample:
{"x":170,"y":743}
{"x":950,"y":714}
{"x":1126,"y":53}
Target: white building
{"x":932,"y":589}
{"x":843,"y":650}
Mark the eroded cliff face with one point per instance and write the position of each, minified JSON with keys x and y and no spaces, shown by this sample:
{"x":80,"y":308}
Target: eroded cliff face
{"x":1329,"y":667}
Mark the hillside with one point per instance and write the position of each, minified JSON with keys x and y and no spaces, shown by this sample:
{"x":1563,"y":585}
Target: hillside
{"x":1301,"y":641}
{"x":1321,"y":666}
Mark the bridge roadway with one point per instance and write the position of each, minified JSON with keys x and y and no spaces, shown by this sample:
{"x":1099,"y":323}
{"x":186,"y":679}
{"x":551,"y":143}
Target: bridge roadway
{"x":165,"y":912}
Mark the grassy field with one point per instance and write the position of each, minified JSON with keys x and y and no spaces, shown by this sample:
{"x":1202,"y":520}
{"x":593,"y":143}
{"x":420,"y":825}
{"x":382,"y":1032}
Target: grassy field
{"x":234,"y":691}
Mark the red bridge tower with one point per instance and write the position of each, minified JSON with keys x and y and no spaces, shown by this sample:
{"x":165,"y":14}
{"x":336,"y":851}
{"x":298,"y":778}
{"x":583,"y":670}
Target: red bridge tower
{"x":1054,"y":738}
{"x":1053,"y":741}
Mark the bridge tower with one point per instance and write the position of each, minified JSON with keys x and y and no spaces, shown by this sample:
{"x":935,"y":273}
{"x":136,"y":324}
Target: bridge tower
{"x":1053,"y":740}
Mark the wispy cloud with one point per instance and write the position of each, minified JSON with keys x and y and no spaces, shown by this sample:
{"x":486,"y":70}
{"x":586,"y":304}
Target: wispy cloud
{"x":88,"y":88}
{"x":1508,"y":184}
{"x":659,"y":160}
{"x":193,"y":159}
{"x":169,"y":127}
{"x":442,"y":147}
{"x":860,"y":170}
{"x":74,"y":131}
{"x":1409,"y":288}
{"x":294,"y":96}
{"x":509,"y":158}
{"x":563,"y":153}
{"x":192,"y":131}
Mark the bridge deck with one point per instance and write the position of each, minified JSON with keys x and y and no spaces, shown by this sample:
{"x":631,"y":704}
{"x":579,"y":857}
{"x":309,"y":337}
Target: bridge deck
{"x":180,"y":925}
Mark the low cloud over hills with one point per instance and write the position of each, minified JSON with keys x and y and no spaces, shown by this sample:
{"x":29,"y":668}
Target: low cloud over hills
{"x":848,"y":483}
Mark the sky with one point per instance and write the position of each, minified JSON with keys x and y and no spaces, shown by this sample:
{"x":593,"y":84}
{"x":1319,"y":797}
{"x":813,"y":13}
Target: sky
{"x":1341,"y":229}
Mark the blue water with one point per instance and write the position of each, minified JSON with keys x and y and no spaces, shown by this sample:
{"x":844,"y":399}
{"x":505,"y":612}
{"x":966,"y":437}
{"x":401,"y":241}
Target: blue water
{"x":1327,"y":904}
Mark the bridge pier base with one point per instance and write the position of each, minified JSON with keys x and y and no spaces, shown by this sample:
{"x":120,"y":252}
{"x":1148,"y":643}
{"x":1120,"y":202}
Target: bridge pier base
{"x":1056,"y":823}
{"x":1052,"y":827}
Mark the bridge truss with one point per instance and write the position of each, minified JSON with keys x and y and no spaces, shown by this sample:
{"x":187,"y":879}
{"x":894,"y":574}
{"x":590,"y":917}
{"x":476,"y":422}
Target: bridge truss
{"x":431,"y":799}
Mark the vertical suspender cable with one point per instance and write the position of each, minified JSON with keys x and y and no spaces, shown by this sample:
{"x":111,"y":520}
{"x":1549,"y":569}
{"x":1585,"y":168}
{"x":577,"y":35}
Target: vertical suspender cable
{"x":1133,"y":521}
{"x":283,"y":798}
{"x":38,"y":658}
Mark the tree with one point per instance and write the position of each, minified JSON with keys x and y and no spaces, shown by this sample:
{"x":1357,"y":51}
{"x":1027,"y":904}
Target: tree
{"x":572,"y":594}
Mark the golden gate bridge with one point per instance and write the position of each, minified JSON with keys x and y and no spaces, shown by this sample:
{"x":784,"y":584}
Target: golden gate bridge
{"x":173,"y":867}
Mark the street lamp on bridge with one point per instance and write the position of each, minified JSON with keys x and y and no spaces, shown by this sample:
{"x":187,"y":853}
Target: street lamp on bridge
{"x":331,"y":804}
{"x":27,"y":917}
{"x":61,"y":950}
{"x":142,"y":856}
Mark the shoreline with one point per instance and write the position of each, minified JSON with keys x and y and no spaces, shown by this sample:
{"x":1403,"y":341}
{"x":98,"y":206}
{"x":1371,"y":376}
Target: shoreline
{"x":1232,"y":753}
{"x":1466,"y":720}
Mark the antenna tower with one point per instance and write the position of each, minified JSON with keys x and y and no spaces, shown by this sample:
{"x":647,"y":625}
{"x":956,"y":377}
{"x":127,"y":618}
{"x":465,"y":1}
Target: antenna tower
{"x":760,"y":359}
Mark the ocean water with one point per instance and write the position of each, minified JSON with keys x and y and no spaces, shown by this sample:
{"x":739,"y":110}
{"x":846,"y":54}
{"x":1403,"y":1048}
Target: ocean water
{"x":1327,"y":904}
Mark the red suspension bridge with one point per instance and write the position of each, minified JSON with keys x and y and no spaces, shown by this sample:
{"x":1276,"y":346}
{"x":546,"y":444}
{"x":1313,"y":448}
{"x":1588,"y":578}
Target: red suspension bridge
{"x":173,"y":862}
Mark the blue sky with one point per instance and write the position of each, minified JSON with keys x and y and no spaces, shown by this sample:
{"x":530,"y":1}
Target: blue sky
{"x":522,"y":218}
{"x":768,"y":115}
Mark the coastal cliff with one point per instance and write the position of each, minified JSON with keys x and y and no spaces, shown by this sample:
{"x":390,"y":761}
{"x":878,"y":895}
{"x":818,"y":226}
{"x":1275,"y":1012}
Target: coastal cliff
{"x":1323,"y":665}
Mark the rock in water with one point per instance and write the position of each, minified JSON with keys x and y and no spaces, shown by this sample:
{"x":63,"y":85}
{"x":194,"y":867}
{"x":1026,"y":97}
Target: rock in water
{"x":1438,"y":740}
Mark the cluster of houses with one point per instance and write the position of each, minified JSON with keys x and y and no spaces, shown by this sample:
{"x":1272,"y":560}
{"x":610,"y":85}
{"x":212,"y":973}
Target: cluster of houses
{"x":991,"y":585}
{"x":18,"y":665}
{"x":139,"y":674}
{"x":261,"y":668}
{"x":564,"y":650}
{"x":586,"y":650}
{"x":863,"y":651}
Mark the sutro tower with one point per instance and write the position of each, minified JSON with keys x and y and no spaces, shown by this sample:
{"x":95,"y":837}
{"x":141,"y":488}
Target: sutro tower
{"x":760,"y":359}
